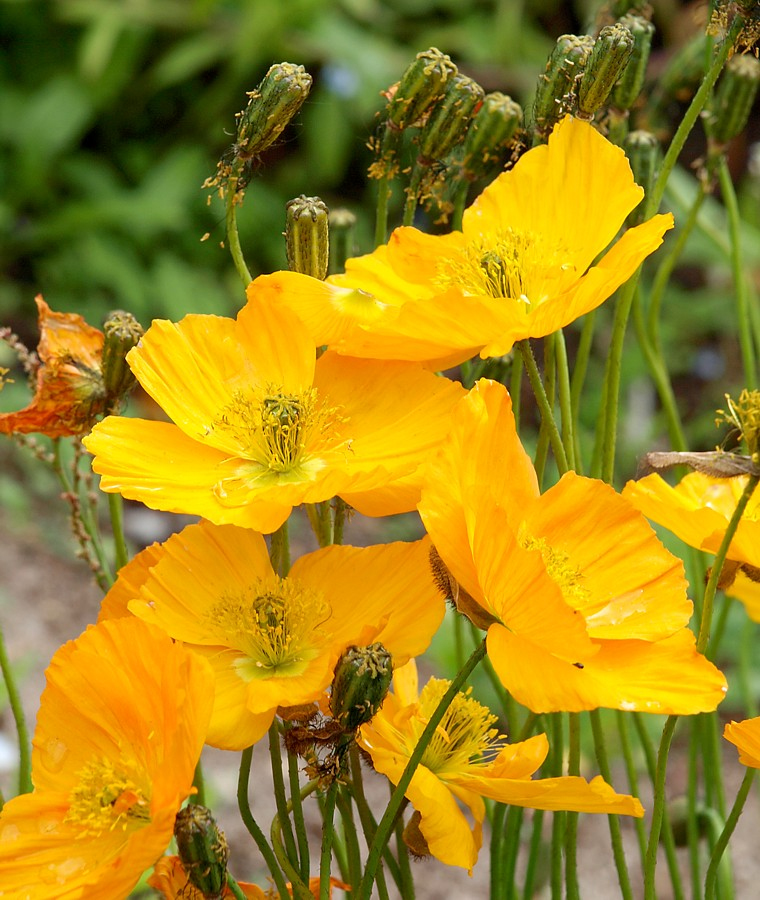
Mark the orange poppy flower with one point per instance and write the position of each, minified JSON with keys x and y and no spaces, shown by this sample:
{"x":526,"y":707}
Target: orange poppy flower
{"x":465,"y":761}
{"x":746,"y":736}
{"x":274,"y":641}
{"x":119,"y":733}
{"x":583,"y":605}
{"x":262,"y":425}
{"x":522,"y":266}
{"x":70,"y":394}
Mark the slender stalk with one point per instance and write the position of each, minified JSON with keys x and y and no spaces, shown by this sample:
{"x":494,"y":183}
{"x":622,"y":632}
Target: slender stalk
{"x":572,"y":890}
{"x":633,"y":778}
{"x":559,"y":818}
{"x":250,"y":823}
{"x":14,"y":698}
{"x":565,"y":398}
{"x":325,"y":856}
{"x":235,"y":888}
{"x":230,"y":223}
{"x":728,"y":830}
{"x":275,"y":759}
{"x":497,"y":878}
{"x":658,"y":808}
{"x":199,"y":783}
{"x":515,"y":388}
{"x":402,"y":854}
{"x":353,"y":852}
{"x":116,"y":510}
{"x":509,"y":848}
{"x":389,"y":817}
{"x":381,"y":212}
{"x":302,"y":838}
{"x":547,"y":416}
{"x":536,"y":840}
{"x":340,"y":511}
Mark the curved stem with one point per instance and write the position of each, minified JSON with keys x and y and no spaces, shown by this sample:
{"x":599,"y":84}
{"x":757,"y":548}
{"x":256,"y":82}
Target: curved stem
{"x":728,"y":830}
{"x":325,"y":856}
{"x":565,"y":398}
{"x":14,"y":698}
{"x":389,"y":817}
{"x":230,"y":223}
{"x":658,"y":808}
{"x":281,"y":801}
{"x":547,"y":417}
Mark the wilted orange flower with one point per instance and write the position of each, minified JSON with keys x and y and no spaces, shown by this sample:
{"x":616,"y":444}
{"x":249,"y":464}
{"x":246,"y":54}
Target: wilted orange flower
{"x":70,"y":394}
{"x":746,"y":736}
{"x":262,"y":425}
{"x":465,"y":761}
{"x":274,"y":641}
{"x":170,"y":880}
{"x":119,"y":733}
{"x":583,"y":605}
{"x":522,"y":266}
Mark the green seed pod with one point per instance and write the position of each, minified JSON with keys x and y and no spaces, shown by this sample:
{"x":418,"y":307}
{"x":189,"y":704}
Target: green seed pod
{"x":342,"y":239}
{"x":733,"y":98}
{"x":202,"y":849}
{"x":630,"y":83}
{"x":566,"y":64}
{"x":307,"y":237}
{"x":421,"y":85}
{"x":450,"y":118}
{"x":643,"y":152}
{"x":493,"y":127}
{"x":612,"y":50}
{"x":121,"y":333}
{"x":361,"y":681}
{"x":270,"y":107}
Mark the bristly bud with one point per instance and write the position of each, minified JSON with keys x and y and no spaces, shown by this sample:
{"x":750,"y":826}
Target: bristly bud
{"x":306,"y":236}
{"x":121,"y":333}
{"x":612,"y":50}
{"x":449,"y":120}
{"x":556,"y":86}
{"x":733,"y":98}
{"x":342,"y":239}
{"x":362,"y":678}
{"x":453,"y":592}
{"x":202,"y":849}
{"x":270,"y":107}
{"x":492,"y":129}
{"x":421,"y":85}
{"x":414,"y":838}
{"x":631,"y":81}
{"x":643,"y":152}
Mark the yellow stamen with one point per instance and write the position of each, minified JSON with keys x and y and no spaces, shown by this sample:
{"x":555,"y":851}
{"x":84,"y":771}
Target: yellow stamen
{"x":108,"y":797}
{"x":565,"y":575}
{"x":275,"y":624}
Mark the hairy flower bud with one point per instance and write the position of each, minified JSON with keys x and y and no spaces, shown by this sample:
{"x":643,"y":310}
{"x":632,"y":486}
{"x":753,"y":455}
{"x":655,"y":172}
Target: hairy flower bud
{"x":306,"y":236}
{"x":493,"y":127}
{"x":121,"y":333}
{"x":202,"y":849}
{"x":362,"y":678}
{"x":631,"y":80}
{"x":565,"y":65}
{"x":733,"y":98}
{"x":450,"y":118}
{"x":612,"y":50}
{"x":643,"y":152}
{"x":421,"y":85}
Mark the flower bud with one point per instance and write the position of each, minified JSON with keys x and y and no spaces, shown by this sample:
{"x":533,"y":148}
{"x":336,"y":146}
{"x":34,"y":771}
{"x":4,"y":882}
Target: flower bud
{"x":342,"y":240}
{"x":733,"y":98}
{"x":566,"y":63}
{"x":270,"y":107}
{"x":450,"y":118}
{"x":643,"y":152}
{"x":306,"y":236}
{"x":490,"y":133}
{"x":362,"y":678}
{"x":631,"y":81}
{"x":121,"y":333}
{"x":202,"y":849}
{"x":612,"y":50}
{"x":421,"y":85}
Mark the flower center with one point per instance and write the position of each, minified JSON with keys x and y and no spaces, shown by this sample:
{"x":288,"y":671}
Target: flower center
{"x":563,"y":573}
{"x":275,"y":623}
{"x":107,"y":797}
{"x":513,"y":264}
{"x":465,"y":736}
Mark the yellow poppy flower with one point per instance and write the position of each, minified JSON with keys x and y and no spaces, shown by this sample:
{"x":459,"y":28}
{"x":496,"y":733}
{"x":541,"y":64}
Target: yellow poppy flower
{"x":746,"y":736}
{"x":466,"y":761}
{"x":274,"y":641}
{"x":262,"y":425}
{"x":522,"y":266}
{"x":119,"y":733}
{"x":69,"y":394}
{"x":584,"y":606}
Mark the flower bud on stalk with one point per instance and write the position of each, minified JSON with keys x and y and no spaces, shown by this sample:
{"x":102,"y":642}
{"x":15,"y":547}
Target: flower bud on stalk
{"x":732,"y":100}
{"x":307,"y":237}
{"x":492,"y":129}
{"x":631,"y":81}
{"x":643,"y":152}
{"x":362,"y":678}
{"x":612,"y":50}
{"x":565,"y":65}
{"x":423,"y":83}
{"x":449,"y":119}
{"x":202,"y":849}
{"x":121,"y":333}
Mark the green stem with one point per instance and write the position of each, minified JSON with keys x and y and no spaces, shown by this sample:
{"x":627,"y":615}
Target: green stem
{"x":235,"y":888}
{"x":633,"y":778}
{"x":497,"y":879}
{"x":738,"y":272}
{"x":199,"y":783}
{"x":230,"y":222}
{"x":402,"y":854}
{"x":325,"y":856}
{"x":281,"y":801}
{"x":547,"y":417}
{"x":389,"y":817}
{"x":353,"y":853}
{"x":116,"y":508}
{"x":250,"y":823}
{"x":565,"y":398}
{"x":340,"y":511}
{"x":299,"y":823}
{"x":658,"y":808}
{"x":534,"y":851}
{"x":279,"y":550}
{"x":728,"y":830}
{"x":571,"y":833}
{"x":515,"y":388}
{"x":25,"y":785}
{"x":558,"y":819}
{"x":712,"y":582}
